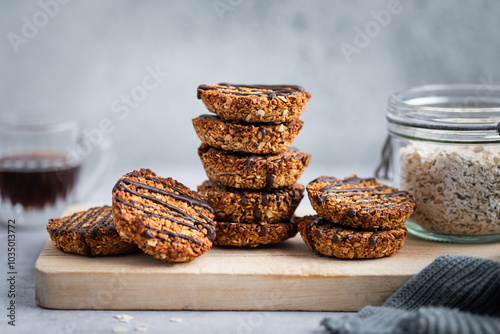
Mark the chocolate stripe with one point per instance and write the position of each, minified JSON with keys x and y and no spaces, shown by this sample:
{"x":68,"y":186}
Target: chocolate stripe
{"x":271,"y":91}
{"x":149,"y":228}
{"x":165,"y":217}
{"x":183,"y":197}
{"x":69,"y":221}
{"x":158,"y":201}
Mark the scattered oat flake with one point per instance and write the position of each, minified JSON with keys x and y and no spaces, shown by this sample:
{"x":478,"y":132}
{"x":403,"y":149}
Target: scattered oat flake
{"x":120,"y":329}
{"x":141,"y":328}
{"x":124,"y":317}
{"x":175,"y":319}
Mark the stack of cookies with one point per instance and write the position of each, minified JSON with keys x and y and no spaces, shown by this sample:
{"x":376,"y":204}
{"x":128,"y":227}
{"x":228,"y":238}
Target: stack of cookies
{"x":357,"y":218}
{"x":245,"y":152}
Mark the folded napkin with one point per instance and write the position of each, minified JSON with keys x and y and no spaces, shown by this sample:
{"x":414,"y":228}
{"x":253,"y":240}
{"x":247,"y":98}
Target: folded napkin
{"x":454,"y":294}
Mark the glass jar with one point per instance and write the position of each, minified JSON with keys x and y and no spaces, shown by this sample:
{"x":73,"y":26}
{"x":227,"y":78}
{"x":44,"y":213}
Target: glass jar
{"x":444,"y":148}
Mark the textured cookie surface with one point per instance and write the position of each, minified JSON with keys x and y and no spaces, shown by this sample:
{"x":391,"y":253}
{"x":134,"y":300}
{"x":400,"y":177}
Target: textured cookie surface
{"x":162,"y":216}
{"x":360,"y":203}
{"x":90,"y":232}
{"x":252,"y":171}
{"x":255,"y":103}
{"x":260,"y":138}
{"x":251,"y":206}
{"x":253,"y":234}
{"x":329,"y":239}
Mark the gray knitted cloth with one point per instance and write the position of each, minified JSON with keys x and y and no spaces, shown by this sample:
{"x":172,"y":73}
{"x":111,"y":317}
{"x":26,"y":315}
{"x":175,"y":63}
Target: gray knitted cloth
{"x":453,"y":295}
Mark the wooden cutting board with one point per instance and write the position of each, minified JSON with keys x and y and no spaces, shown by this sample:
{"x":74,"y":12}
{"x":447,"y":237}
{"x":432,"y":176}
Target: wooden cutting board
{"x":281,"y":277}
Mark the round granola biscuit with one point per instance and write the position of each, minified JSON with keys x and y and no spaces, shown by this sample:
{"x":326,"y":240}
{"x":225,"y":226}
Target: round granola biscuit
{"x":329,"y":239}
{"x":162,"y":216}
{"x":251,"y":206}
{"x":90,"y":232}
{"x":260,"y":138}
{"x":255,"y":103}
{"x":253,"y":234}
{"x":360,"y":203}
{"x":252,"y":171}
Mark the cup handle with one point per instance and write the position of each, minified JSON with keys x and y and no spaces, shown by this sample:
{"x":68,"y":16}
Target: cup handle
{"x":88,"y":179}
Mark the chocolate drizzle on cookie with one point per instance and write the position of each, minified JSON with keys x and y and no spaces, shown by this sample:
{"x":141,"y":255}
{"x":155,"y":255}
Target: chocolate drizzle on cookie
{"x":269,"y":161}
{"x":87,"y":224}
{"x":263,"y":127}
{"x":271,"y":91}
{"x":373,"y":239}
{"x":135,"y":184}
{"x":269,"y":176}
{"x":371,"y":199}
{"x":291,"y":195}
{"x":308,"y":233}
{"x":327,"y":238}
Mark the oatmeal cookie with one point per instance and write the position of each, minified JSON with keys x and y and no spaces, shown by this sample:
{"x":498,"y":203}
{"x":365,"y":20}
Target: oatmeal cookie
{"x":253,"y":234}
{"x":255,"y":103}
{"x":251,"y":206}
{"x":360,"y":203}
{"x":252,"y":171}
{"x":162,"y":216}
{"x":329,"y":239}
{"x":260,"y":138}
{"x":90,"y":232}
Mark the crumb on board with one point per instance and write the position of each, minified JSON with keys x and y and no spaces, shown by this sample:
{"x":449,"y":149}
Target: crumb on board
{"x":141,"y":328}
{"x":124,"y":317}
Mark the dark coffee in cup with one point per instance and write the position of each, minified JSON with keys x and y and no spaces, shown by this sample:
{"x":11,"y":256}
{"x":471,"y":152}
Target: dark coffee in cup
{"x":37,"y":180}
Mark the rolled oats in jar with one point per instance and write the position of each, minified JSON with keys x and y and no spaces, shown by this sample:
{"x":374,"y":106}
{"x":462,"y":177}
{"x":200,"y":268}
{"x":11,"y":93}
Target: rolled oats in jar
{"x":444,"y":148}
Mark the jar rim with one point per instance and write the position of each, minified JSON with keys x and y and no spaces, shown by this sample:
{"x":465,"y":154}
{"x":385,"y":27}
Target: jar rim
{"x":444,"y":112}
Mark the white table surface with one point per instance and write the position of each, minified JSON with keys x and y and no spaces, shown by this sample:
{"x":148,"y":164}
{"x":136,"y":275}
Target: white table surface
{"x":30,"y":318}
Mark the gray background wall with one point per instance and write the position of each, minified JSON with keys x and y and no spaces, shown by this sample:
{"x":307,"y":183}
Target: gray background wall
{"x":81,"y":60}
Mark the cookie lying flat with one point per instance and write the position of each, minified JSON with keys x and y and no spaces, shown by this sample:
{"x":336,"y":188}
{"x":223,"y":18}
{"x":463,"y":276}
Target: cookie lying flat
{"x":329,"y":239}
{"x":253,"y":234}
{"x":251,"y":206}
{"x":162,"y":216}
{"x":255,"y":103}
{"x":252,"y":171}
{"x":90,"y":232}
{"x":360,"y":203}
{"x":260,"y":138}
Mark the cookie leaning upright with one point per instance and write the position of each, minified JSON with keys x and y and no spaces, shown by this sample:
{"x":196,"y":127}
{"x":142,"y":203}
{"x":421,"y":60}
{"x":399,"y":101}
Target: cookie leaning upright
{"x":360,"y":203}
{"x":162,"y":216}
{"x":255,"y":103}
{"x":90,"y":232}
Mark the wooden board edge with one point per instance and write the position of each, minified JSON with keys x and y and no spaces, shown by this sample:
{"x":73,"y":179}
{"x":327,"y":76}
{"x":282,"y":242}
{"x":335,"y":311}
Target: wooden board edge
{"x":239,"y":292}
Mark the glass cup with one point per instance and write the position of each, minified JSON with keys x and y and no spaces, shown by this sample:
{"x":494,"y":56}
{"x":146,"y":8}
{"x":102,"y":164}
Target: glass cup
{"x":41,"y":168}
